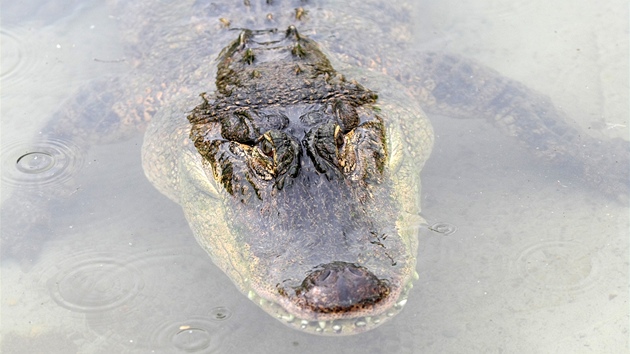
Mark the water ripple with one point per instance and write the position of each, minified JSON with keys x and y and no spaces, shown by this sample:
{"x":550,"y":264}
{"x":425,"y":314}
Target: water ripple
{"x":443,"y":228}
{"x":220,"y":313}
{"x":12,"y":54}
{"x":16,"y":59}
{"x":40,"y":163}
{"x":94,"y":283}
{"x":192,"y":335}
{"x":179,"y":308}
{"x":559,"y":266}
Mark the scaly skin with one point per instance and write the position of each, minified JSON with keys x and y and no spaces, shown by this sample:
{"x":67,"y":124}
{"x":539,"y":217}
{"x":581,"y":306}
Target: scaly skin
{"x":303,"y":186}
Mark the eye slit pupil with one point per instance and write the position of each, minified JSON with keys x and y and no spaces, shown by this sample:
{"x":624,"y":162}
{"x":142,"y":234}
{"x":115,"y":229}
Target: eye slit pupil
{"x":338,"y":136}
{"x":267,"y":147}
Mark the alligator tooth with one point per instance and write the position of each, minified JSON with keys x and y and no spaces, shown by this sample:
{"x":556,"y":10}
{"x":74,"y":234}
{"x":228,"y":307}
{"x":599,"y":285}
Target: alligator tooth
{"x":336,"y":328}
{"x":251,"y":295}
{"x":288,"y":318}
{"x":322,"y":324}
{"x":416,"y":276}
{"x":303,"y":324}
{"x":401,"y":303}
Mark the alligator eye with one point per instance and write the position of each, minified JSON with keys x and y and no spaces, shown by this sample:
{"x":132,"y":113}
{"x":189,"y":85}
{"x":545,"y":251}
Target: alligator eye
{"x":266,"y":147}
{"x":346,"y":114}
{"x":338,"y":136}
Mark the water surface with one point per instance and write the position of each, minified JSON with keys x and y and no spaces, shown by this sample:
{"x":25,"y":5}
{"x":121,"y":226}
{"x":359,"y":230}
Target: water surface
{"x":538,"y":262}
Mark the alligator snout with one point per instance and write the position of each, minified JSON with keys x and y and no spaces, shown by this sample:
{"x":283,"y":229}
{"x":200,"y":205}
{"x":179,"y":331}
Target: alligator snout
{"x":340,"y":287}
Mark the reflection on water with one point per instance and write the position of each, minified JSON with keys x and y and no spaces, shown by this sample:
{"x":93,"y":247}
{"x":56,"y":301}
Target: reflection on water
{"x":538,"y":263}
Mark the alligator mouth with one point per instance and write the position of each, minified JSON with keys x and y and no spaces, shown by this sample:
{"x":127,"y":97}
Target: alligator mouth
{"x":336,"y":299}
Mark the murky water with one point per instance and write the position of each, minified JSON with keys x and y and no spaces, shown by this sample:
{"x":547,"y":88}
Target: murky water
{"x":537,"y":263}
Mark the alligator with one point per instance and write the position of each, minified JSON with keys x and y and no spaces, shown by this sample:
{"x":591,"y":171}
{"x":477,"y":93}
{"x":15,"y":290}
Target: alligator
{"x":297,"y":183}
{"x":295,"y":151}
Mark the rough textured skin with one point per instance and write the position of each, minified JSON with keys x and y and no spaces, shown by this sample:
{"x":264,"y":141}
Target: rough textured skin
{"x":323,"y":234}
{"x":361,"y":36}
{"x":300,"y":159}
{"x":306,"y":192}
{"x":313,"y":226}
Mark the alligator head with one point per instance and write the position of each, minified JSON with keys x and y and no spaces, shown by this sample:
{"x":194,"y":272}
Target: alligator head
{"x":300,"y":159}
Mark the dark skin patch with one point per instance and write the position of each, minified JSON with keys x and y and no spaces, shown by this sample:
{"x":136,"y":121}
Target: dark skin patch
{"x":256,"y":84}
{"x":338,"y":287}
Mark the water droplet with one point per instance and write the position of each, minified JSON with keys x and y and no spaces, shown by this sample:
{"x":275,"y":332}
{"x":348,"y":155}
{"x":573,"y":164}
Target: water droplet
{"x":220,"y":313}
{"x":35,"y":162}
{"x":443,"y":228}
{"x":191,"y":335}
{"x":40,"y":163}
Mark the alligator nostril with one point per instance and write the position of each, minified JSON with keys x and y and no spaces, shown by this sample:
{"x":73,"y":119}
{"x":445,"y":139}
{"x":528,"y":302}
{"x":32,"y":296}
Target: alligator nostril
{"x":340,"y":287}
{"x":356,"y":271}
{"x":323,"y":276}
